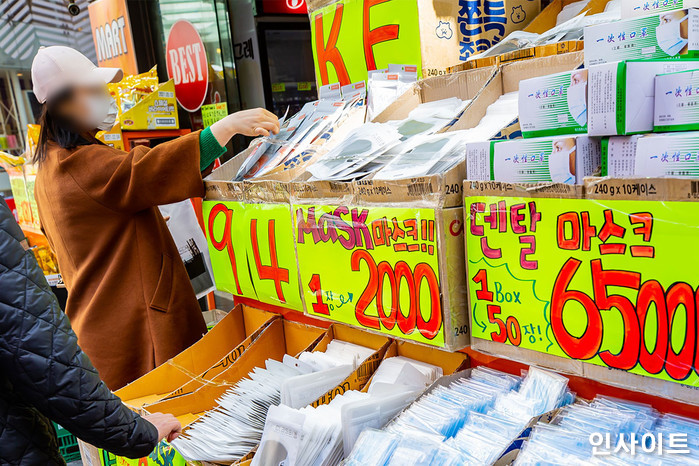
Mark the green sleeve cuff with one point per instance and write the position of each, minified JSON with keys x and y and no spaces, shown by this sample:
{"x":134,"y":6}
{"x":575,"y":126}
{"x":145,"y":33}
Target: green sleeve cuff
{"x":209,"y":149}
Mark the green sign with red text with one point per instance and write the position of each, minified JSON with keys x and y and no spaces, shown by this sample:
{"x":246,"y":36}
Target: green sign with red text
{"x":252,"y":251}
{"x":350,"y":37}
{"x":605,"y":282}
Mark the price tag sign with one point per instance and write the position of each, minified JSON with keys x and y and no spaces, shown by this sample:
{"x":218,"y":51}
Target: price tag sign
{"x":252,"y":251}
{"x":371,"y":267}
{"x":605,"y":282}
{"x":269,"y":245}
{"x":212,"y":113}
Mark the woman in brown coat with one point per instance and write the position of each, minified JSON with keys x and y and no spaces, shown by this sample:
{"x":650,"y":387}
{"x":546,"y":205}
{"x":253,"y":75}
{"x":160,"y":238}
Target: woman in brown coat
{"x":130,"y":300}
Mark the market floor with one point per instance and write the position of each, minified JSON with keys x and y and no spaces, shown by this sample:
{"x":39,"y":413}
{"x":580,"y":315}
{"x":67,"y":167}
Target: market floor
{"x":75,"y":463}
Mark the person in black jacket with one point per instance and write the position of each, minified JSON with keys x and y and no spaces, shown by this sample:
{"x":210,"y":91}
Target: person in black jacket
{"x":45,"y":376}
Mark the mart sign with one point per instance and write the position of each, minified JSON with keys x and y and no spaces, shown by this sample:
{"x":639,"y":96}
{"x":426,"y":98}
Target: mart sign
{"x":607,"y":282}
{"x":111,"y":32}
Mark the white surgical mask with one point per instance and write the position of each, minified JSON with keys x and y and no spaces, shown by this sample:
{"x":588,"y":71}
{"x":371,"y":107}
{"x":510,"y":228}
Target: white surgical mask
{"x":669,"y":38}
{"x":577,"y":102}
{"x":102,"y":112}
{"x":559,"y":167}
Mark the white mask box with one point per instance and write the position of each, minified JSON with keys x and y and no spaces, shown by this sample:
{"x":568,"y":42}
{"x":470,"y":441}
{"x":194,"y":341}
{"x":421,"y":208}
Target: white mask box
{"x":619,"y":156}
{"x":663,"y":155}
{"x":635,"y":8}
{"x":559,"y":159}
{"x":553,"y":104}
{"x":621,"y":96}
{"x":677,"y":101}
{"x":478,"y":161}
{"x":671,"y":34}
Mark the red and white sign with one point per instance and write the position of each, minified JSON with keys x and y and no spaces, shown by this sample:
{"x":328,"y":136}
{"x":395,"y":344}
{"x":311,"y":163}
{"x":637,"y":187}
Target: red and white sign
{"x":289,"y":7}
{"x":187,"y":65}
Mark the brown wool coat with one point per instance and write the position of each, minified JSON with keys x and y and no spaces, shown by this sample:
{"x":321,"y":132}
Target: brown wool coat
{"x":130,"y":300}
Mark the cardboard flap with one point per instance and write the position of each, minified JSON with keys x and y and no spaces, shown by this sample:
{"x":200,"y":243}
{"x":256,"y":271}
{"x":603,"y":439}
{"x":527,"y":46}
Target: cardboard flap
{"x":634,"y":189}
{"x":513,"y":73}
{"x":326,"y":192}
{"x":229,"y":337}
{"x":259,"y":192}
{"x":499,"y":188}
{"x":300,"y":337}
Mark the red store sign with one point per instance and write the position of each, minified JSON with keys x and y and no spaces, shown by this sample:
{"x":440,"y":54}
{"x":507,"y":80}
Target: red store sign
{"x":187,"y":65}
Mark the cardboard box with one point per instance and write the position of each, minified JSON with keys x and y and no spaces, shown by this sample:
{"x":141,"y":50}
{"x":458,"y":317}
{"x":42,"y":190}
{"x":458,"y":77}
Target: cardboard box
{"x":558,"y":159}
{"x":621,"y":96}
{"x":538,"y":51}
{"x":546,"y":20}
{"x":667,"y":155}
{"x":358,"y":379}
{"x":677,"y":101}
{"x":463,"y":84}
{"x":278,"y":338}
{"x":202,"y":361}
{"x":507,"y":80}
{"x":634,"y":8}
{"x":668,"y":35}
{"x":553,"y":104}
{"x":509,"y":454}
{"x":619,"y":156}
{"x":432,"y":34}
{"x":112,"y":138}
{"x":596,"y":194}
{"x":157,"y":111}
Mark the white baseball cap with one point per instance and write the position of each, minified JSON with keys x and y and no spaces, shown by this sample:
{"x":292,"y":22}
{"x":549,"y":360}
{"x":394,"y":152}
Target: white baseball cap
{"x":57,"y":68}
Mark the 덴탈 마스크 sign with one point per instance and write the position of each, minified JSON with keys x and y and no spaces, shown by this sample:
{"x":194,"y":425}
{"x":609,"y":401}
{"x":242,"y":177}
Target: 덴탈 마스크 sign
{"x":187,"y":65}
{"x":111,"y":32}
{"x":608,"y":282}
{"x":372,"y":267}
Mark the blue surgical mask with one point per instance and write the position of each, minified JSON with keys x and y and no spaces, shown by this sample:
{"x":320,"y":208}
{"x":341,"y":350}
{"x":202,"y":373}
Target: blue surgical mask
{"x":577,"y":102}
{"x":669,"y":38}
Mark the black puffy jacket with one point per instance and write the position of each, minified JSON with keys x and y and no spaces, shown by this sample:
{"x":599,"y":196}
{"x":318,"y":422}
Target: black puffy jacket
{"x":44,"y":374}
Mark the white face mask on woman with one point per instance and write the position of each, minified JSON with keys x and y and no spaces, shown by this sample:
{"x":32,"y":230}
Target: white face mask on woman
{"x":102,"y":112}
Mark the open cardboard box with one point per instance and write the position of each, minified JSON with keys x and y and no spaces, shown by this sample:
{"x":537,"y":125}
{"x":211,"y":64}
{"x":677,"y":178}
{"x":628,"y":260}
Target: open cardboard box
{"x":449,"y":362}
{"x":463,"y":84}
{"x":277,"y":338}
{"x":603,"y":189}
{"x":217,"y":349}
{"x":509,"y":454}
{"x":360,"y":376}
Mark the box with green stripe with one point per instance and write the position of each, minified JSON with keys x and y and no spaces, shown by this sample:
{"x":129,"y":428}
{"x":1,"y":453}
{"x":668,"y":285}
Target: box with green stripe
{"x":670,"y":34}
{"x":559,"y":159}
{"x":553,"y":104}
{"x":621,"y":96}
{"x":633,"y":8}
{"x":677,"y":101}
{"x":668,"y":155}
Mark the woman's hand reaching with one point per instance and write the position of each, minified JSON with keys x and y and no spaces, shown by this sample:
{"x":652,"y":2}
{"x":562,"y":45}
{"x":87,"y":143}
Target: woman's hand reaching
{"x":253,"y":122}
{"x":169,"y":428}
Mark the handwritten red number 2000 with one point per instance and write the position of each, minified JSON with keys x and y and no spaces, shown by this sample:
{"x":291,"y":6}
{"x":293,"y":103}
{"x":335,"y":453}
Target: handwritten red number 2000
{"x":390,"y":314}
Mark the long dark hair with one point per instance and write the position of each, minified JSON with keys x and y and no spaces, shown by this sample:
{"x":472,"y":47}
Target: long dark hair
{"x":56,"y":128}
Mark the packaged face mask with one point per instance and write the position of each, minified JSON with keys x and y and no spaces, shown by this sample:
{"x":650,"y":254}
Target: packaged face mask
{"x":554,"y":159}
{"x":621,"y":96}
{"x":677,"y":101}
{"x":671,"y":34}
{"x":553,"y":104}
{"x":668,"y":155}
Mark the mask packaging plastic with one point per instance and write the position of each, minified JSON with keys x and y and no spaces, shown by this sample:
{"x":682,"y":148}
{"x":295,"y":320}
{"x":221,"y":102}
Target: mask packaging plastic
{"x":299,"y":391}
{"x":405,"y":372}
{"x":373,"y":448}
{"x":372,"y":413}
{"x":385,"y":88}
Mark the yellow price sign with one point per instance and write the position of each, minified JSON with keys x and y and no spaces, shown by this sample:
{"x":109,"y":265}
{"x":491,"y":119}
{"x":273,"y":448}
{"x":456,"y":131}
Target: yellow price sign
{"x":375,"y":268}
{"x":252,"y":251}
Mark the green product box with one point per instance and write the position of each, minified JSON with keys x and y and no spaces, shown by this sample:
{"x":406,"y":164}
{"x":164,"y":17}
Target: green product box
{"x":671,"y":34}
{"x":621,"y":96}
{"x":553,"y":104}
{"x":677,"y":101}
{"x":668,"y":155}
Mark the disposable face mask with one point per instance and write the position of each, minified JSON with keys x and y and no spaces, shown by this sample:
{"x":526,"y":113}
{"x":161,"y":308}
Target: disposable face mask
{"x":577,"y":103}
{"x":559,"y":167}
{"x":102,"y":112}
{"x":669,"y":37}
